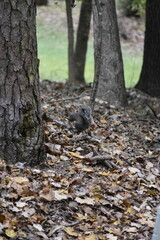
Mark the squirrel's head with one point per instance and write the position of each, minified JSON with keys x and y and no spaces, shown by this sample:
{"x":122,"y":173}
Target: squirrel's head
{"x":85,"y":111}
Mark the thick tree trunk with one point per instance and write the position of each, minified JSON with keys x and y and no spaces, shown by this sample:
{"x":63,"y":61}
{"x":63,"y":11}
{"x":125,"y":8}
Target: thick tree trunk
{"x":108,"y":58}
{"x":82,"y":40}
{"x":71,"y":60}
{"x":21,"y":133}
{"x":150,"y":75}
{"x":41,"y":2}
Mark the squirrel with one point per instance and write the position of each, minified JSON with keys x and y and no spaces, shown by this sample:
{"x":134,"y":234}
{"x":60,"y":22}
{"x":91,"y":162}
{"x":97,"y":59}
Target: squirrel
{"x":83,"y":118}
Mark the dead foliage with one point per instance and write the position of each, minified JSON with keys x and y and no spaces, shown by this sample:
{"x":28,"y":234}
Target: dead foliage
{"x":97,"y":185}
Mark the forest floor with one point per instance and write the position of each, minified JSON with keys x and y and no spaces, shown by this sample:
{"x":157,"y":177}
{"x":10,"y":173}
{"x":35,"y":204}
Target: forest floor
{"x":102,"y":184}
{"x":97,"y":185}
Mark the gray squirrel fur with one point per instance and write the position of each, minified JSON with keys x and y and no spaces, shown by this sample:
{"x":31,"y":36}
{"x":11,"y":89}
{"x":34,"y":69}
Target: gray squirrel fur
{"x":83,"y":118}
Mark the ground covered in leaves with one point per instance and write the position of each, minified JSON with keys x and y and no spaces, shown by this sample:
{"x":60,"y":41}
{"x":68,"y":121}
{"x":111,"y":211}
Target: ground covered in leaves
{"x":97,"y":185}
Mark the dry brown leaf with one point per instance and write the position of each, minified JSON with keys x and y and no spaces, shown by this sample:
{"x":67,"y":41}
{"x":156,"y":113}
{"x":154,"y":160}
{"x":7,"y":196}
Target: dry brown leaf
{"x":20,"y":179}
{"x":80,"y":216}
{"x":91,"y":236}
{"x":87,"y":200}
{"x":47,"y":196}
{"x":70,"y":231}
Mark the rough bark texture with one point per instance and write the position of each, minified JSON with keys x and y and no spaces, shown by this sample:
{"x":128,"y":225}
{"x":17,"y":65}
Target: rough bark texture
{"x":82,"y":40}
{"x":150,"y":75}
{"x":108,"y":58}
{"x":41,"y":2}
{"x":21,"y":134}
{"x":71,"y":61}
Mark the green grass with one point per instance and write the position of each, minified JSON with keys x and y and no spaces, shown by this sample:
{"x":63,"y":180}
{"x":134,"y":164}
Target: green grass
{"x":132,"y":67}
{"x":52,"y":52}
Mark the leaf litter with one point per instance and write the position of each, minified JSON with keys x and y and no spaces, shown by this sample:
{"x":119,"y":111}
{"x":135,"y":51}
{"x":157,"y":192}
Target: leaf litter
{"x":100,"y":184}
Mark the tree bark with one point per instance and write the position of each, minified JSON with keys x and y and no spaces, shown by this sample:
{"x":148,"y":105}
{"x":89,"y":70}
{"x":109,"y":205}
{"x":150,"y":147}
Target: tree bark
{"x":82,"y":40}
{"x":71,"y":60}
{"x":107,"y":52}
{"x":41,"y":2}
{"x":149,"y":81}
{"x":21,"y":132}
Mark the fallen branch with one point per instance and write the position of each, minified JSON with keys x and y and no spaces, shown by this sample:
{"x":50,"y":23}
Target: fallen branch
{"x":105,"y":159}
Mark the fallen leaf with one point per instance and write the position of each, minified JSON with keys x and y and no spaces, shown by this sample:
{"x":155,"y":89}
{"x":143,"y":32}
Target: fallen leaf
{"x":111,"y":237}
{"x":131,"y":210}
{"x":38,"y":227}
{"x":104,"y":173}
{"x":20,"y":179}
{"x":76,"y":155}
{"x":47,"y":196}
{"x":21,"y":204}
{"x":10,"y":233}
{"x":87,"y":200}
{"x":70,"y":231}
{"x":92,"y":236}
{"x":131,"y":229}
{"x":58,"y":196}
{"x":133,"y":170}
{"x":80,"y":216}
{"x":88,"y":169}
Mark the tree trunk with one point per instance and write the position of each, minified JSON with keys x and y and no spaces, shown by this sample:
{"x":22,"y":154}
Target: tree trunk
{"x":21,"y":132}
{"x":149,"y":81}
{"x":41,"y":2}
{"x":82,"y":40}
{"x":71,"y":60}
{"x":107,"y":52}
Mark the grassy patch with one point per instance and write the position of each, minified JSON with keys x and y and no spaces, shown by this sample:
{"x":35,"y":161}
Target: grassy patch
{"x":52,"y":51}
{"x":132,"y":67}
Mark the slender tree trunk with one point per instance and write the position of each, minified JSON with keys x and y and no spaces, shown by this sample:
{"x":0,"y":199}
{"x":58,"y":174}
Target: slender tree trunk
{"x":109,"y":76}
{"x":71,"y":60}
{"x":21,"y":132}
{"x":149,"y":81}
{"x":82,"y":40}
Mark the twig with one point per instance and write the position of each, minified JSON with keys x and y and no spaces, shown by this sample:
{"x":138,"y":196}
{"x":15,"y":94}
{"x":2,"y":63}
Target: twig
{"x":101,"y":158}
{"x":65,"y":99}
{"x":105,"y":159}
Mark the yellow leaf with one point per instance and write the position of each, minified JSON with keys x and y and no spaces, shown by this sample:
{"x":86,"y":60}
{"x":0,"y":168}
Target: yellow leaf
{"x":103,"y":120}
{"x":80,"y":216}
{"x":98,"y":196}
{"x":87,"y":169}
{"x":101,"y":237}
{"x":20,"y":179}
{"x":104,"y":173}
{"x":21,"y":233}
{"x":92,"y":236}
{"x":10,"y":233}
{"x":114,"y":184}
{"x":76,"y":155}
{"x":70,"y":231}
{"x":131,"y":210}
